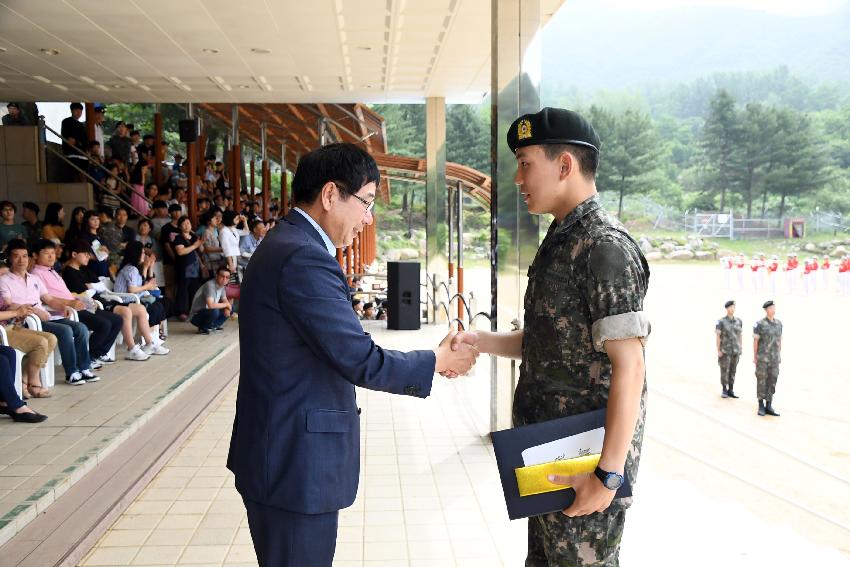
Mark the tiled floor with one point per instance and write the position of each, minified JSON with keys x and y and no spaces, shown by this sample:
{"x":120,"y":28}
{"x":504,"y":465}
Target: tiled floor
{"x":85,"y":422}
{"x":429,"y":495}
{"x":429,"y":492}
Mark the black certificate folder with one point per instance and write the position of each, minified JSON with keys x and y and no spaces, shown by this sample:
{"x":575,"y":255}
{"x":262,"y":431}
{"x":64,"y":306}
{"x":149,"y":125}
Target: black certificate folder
{"x":509,"y":445}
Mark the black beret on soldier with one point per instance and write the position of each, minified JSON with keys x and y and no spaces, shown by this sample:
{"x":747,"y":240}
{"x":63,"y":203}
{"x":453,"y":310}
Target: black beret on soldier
{"x":552,"y":126}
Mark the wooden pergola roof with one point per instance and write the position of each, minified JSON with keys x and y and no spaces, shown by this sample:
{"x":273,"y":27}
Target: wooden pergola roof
{"x":298,"y":125}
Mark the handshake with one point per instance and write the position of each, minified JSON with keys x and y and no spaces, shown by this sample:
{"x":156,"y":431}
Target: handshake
{"x":456,"y":354}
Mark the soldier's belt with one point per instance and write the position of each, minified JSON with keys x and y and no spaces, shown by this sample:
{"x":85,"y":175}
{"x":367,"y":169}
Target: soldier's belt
{"x":535,"y":478}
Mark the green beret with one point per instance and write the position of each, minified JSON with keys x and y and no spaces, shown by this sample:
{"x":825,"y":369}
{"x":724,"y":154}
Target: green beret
{"x":767,"y":304}
{"x":552,"y":126}
{"x":728,"y":304}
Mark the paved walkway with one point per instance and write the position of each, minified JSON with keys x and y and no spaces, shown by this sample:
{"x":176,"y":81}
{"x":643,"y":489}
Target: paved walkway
{"x":42,"y":461}
{"x":429,"y":496}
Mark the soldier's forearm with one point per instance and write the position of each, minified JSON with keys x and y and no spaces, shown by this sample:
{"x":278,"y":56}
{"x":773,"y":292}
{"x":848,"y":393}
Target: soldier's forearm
{"x":627,"y":377}
{"x":508,"y":345}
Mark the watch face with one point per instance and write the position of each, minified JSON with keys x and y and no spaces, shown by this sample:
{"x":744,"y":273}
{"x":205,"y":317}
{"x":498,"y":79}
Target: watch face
{"x":613,"y":481}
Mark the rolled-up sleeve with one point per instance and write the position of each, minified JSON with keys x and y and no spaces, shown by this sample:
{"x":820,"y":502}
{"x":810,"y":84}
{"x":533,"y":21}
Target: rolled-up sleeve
{"x":617,"y":282}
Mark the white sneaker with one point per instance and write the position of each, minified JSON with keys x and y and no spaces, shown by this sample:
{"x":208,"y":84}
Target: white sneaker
{"x":137,"y":354}
{"x":154,"y":348}
{"x":106,"y":360}
{"x":75,"y":379}
{"x":90,"y":376}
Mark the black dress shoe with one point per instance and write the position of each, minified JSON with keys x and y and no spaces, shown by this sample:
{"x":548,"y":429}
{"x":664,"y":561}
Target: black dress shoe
{"x":28,"y":417}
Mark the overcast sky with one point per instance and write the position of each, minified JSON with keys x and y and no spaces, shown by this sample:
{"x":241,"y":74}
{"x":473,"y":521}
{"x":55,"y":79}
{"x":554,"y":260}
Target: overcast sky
{"x":785,"y":7}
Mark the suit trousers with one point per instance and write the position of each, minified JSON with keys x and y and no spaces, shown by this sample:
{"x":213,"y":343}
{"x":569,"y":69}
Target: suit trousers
{"x":290,"y":539}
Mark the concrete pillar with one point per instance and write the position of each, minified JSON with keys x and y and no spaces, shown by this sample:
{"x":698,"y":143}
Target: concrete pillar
{"x":514,"y":233}
{"x":435,"y":192}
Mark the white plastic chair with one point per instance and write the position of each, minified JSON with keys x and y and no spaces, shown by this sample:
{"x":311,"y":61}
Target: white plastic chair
{"x":19,"y":356}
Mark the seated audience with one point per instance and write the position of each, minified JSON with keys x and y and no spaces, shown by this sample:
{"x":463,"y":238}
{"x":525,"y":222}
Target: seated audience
{"x":79,"y":280}
{"x":36,"y":346}
{"x":31,"y":224}
{"x":10,"y":403}
{"x":249,"y":242}
{"x":53,"y":229}
{"x":75,"y":227}
{"x":135,"y":275}
{"x":18,"y":287}
{"x":210,"y":307}
{"x":9,"y":229}
{"x":122,"y":215}
{"x":357,"y":305}
{"x":104,"y":326}
{"x":100,"y":262}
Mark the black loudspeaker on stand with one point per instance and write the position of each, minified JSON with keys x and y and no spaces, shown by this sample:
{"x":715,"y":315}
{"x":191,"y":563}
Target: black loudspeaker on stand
{"x":403,"y":296}
{"x":188,"y":130}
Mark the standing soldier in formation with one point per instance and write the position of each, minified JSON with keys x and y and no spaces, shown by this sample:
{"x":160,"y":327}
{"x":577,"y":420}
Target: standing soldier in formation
{"x":729,"y":348}
{"x":583,"y":339}
{"x":767,"y":346}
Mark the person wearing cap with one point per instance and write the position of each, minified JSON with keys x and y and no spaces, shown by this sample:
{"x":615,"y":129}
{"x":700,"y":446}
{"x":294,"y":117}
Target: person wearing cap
{"x":75,"y":143}
{"x":15,"y":116}
{"x":729,"y":347}
{"x":767,"y":346}
{"x":582,"y":343}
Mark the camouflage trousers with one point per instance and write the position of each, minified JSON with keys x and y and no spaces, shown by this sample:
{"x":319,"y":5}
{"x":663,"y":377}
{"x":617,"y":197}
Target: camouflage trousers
{"x":767,"y":374}
{"x":555,"y":540}
{"x":728,"y":366}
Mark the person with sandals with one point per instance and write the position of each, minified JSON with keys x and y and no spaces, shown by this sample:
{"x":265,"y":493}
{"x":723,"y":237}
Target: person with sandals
{"x":36,"y":346}
{"x":10,"y":403}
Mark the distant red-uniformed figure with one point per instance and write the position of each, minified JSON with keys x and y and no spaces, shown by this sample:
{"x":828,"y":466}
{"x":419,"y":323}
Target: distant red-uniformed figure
{"x":772,"y":274}
{"x":807,"y":276}
{"x":824,"y":272}
{"x":740,"y":265}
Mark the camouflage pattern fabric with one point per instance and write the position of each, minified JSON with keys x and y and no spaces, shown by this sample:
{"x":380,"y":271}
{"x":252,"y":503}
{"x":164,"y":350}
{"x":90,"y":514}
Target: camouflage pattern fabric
{"x":586,"y":285}
{"x":728,"y":367}
{"x":579,"y":542}
{"x":730,"y":348}
{"x":768,"y":357}
{"x":730,"y":335}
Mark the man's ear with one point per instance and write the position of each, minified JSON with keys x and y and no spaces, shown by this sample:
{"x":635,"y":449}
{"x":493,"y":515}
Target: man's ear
{"x":567,"y":163}
{"x":328,"y":195}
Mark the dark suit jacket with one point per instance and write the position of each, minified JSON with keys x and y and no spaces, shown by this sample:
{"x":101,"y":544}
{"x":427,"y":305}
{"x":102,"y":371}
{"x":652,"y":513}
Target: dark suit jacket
{"x":296,"y":436}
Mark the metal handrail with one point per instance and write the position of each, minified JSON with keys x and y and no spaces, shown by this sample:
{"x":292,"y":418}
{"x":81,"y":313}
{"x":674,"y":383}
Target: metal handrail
{"x":100,"y":165}
{"x":61,"y":156}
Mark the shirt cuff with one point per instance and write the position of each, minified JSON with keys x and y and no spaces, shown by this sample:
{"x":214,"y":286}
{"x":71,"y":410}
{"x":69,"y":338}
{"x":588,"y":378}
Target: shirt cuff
{"x":630,"y":325}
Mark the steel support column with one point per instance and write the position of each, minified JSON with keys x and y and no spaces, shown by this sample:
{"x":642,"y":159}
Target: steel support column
{"x":435,"y":192}
{"x":514,"y":233}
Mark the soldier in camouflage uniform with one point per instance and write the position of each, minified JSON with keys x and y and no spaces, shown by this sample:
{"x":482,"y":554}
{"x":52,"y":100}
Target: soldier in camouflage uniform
{"x":729,"y":347}
{"x":582,"y":342}
{"x":767,"y":346}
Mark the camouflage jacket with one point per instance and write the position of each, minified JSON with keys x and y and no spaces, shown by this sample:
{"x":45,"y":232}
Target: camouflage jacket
{"x":730,"y":335}
{"x":769,"y":334}
{"x":585,"y":286}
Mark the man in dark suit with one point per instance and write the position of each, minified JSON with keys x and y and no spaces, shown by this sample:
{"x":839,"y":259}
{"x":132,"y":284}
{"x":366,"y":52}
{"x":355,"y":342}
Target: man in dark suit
{"x":295,"y":448}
